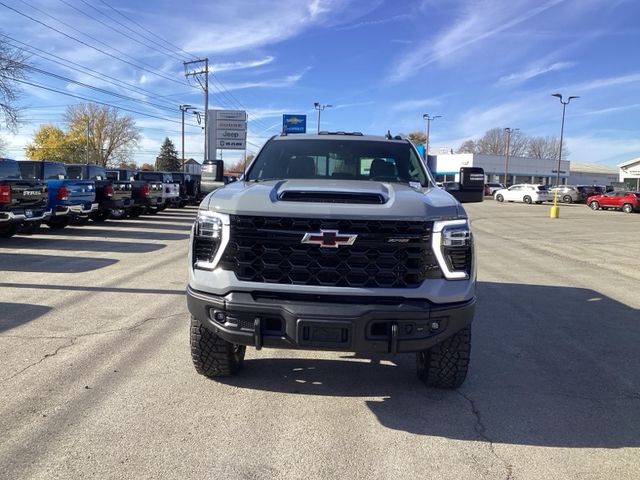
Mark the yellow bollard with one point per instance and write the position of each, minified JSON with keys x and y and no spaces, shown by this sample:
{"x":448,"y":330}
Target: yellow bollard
{"x":555,"y":208}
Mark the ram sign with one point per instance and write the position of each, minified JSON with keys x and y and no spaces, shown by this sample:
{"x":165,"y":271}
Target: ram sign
{"x":227,"y":130}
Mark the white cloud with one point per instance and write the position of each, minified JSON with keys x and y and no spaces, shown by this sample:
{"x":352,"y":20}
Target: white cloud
{"x":479,"y":21}
{"x":223,"y":67}
{"x":535,"y":71}
{"x":415,"y":104}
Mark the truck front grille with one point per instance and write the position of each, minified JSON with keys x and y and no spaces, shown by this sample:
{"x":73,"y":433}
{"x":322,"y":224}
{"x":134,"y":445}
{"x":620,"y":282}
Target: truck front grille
{"x":386,"y":254}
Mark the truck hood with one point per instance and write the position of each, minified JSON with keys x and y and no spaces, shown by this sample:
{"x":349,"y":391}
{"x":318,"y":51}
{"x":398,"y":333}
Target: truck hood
{"x":333,"y":199}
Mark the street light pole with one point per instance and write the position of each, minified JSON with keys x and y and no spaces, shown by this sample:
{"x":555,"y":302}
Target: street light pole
{"x":184,"y":108}
{"x":508,"y":131}
{"x":428,"y":119}
{"x":555,"y":210}
{"x":319,"y":108}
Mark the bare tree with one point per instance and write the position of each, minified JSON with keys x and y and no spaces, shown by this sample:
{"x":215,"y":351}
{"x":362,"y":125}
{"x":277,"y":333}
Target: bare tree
{"x":110,"y":137}
{"x":3,"y":147}
{"x":12,"y":70}
{"x":545,"y":147}
{"x":468,"y":146}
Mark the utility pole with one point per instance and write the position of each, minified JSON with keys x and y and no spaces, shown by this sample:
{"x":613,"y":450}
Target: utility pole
{"x":204,"y":84}
{"x":508,"y":131}
{"x":319,"y":108}
{"x":428,"y":119}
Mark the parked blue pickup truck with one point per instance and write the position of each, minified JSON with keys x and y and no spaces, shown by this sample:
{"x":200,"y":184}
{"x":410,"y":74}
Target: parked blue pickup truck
{"x":23,"y":203}
{"x":111,"y":195}
{"x":68,"y":199}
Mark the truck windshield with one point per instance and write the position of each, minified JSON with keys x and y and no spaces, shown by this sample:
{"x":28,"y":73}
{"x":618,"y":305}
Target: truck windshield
{"x":382,"y":161}
{"x":9,"y":170}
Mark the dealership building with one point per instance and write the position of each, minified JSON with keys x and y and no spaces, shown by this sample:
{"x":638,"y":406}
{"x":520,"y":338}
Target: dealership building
{"x":543,"y":171}
{"x":629,"y":173}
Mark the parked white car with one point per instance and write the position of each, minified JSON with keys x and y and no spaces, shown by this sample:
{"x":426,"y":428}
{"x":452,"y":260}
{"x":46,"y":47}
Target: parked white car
{"x":524,"y":192}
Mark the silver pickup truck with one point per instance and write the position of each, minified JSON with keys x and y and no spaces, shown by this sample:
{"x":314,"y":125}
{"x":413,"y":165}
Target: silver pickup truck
{"x":336,"y":242}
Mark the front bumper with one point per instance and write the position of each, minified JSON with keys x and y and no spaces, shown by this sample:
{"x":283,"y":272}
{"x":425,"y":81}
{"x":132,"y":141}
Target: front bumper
{"x":25,"y":215}
{"x":318,"y":322}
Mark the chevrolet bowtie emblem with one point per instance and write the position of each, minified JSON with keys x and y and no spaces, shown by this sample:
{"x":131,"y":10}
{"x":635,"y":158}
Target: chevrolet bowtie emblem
{"x":329,"y":238}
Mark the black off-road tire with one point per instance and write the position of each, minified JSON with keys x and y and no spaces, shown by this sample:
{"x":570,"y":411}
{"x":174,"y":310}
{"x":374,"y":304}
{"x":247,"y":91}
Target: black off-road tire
{"x":100,"y":216}
{"x":213,"y":356}
{"x":58,"y":223}
{"x":8,"y":230}
{"x":445,"y":365}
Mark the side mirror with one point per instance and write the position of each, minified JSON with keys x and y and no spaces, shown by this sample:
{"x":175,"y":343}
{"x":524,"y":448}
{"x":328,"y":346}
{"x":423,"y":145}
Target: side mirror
{"x":218,"y":170}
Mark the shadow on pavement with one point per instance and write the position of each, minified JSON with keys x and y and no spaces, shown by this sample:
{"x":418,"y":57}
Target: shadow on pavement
{"x":24,"y":262}
{"x":86,"y":288}
{"x":116,"y":233}
{"x":15,"y":314}
{"x":73,"y":244}
{"x":551,"y":366}
{"x":142,"y":225}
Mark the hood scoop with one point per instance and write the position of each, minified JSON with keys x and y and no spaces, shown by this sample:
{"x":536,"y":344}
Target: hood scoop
{"x":318,"y":196}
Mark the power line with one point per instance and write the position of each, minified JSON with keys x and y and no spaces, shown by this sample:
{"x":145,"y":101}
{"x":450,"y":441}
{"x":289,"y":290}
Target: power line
{"x":88,"y":44}
{"x":44,"y":87}
{"x":86,"y":71}
{"x":147,"y":30}
{"x":111,"y":27}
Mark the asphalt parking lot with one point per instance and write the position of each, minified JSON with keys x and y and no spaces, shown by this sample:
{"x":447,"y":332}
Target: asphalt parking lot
{"x":96,"y":379}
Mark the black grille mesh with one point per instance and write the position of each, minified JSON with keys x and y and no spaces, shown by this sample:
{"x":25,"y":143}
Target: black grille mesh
{"x":386,"y":254}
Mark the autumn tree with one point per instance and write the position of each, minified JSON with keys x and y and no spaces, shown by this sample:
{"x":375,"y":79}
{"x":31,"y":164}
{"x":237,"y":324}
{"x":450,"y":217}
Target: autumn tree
{"x":239,"y":166}
{"x":12,"y":71}
{"x":147,"y":167}
{"x":112,"y":136}
{"x":417,"y":138}
{"x":168,"y":158}
{"x":52,"y":143}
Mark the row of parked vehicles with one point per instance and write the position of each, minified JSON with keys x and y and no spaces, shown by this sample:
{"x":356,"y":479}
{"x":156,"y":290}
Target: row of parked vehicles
{"x":596,"y":197}
{"x":55,"y":194}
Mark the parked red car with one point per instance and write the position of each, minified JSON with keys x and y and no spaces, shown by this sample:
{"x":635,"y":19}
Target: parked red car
{"x":626,"y":201}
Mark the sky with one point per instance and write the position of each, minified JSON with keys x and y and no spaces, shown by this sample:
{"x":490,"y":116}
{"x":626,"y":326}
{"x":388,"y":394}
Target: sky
{"x":382,"y":65}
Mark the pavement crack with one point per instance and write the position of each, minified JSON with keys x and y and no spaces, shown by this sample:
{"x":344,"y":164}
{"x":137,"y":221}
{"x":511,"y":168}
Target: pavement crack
{"x":481,"y":431}
{"x":73,"y":339}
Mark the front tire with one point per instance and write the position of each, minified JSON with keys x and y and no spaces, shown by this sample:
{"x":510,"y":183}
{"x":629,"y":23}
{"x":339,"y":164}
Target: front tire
{"x":99,"y":216}
{"x":594,"y":205}
{"x":527,"y":199}
{"x":212,"y":355}
{"x":627,"y":208}
{"x":445,"y":365}
{"x":499,"y":198}
{"x":58,"y":223}
{"x":567,"y":199}
{"x":8,"y":231}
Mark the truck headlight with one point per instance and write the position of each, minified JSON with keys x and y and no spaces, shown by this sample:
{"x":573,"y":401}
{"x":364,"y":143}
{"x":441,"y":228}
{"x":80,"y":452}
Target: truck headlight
{"x":453,"y":247}
{"x":210,"y":238}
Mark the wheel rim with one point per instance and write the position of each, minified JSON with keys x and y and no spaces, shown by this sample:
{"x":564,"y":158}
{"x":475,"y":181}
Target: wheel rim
{"x":499,"y":198}
{"x":594,"y":205}
{"x":626,"y":208}
{"x":567,"y":199}
{"x":527,"y":199}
